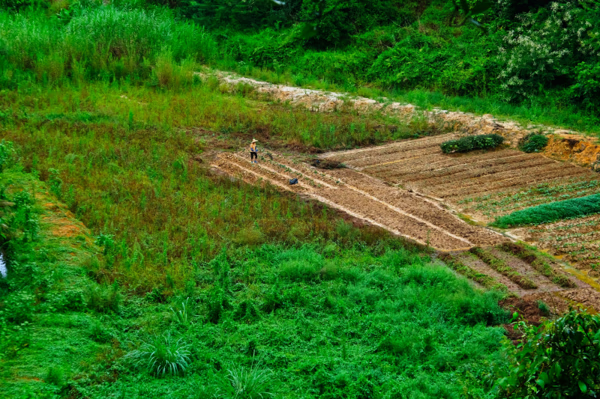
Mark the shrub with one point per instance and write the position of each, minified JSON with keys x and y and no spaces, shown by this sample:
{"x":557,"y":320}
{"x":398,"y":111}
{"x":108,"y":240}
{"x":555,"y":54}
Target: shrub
{"x":163,"y":355}
{"x":533,"y":143}
{"x":558,"y":360}
{"x":548,"y":213}
{"x":55,"y":376}
{"x":471,"y":143}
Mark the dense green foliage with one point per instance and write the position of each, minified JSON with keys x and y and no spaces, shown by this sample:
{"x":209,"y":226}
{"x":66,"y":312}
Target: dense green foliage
{"x":535,"y":52}
{"x":472,"y":143}
{"x":558,"y":360}
{"x":533,"y":143}
{"x":547,"y":213}
{"x":100,"y":42}
{"x":527,"y":66}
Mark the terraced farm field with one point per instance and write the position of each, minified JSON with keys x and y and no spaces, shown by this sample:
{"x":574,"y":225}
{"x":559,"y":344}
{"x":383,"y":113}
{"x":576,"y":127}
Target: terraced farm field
{"x":399,"y":211}
{"x":412,"y":189}
{"x":487,"y":185}
{"x":460,"y":178}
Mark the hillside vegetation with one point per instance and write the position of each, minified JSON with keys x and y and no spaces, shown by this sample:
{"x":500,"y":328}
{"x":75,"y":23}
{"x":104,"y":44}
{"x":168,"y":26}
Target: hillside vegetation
{"x":535,"y":60}
{"x":134,"y":270}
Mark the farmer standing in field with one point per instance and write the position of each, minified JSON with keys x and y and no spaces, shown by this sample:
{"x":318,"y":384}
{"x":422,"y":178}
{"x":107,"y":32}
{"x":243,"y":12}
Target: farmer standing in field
{"x":253,"y":151}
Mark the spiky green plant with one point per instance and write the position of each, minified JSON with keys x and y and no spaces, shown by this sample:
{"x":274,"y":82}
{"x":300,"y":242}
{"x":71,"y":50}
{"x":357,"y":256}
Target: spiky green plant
{"x":163,"y":355}
{"x":246,"y":383}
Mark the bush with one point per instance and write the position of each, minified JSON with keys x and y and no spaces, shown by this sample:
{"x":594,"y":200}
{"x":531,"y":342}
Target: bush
{"x":533,"y":143}
{"x":548,"y":213}
{"x":558,"y":360}
{"x":471,"y":143}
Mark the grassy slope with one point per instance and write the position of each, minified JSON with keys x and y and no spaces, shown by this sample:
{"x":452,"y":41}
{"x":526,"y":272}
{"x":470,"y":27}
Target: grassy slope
{"x":395,"y":324}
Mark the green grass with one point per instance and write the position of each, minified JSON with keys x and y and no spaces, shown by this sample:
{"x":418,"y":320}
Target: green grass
{"x":552,"y":212}
{"x":291,"y":321}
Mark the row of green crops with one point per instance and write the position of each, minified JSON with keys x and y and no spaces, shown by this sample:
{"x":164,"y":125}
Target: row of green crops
{"x":547,"y":213}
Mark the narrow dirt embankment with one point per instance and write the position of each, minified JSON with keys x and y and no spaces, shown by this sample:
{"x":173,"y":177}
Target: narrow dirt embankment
{"x":564,"y":145}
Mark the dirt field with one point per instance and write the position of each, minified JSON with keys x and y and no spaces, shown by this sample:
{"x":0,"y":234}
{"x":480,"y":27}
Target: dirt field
{"x":421,"y":166}
{"x":399,"y":211}
{"x":413,"y":190}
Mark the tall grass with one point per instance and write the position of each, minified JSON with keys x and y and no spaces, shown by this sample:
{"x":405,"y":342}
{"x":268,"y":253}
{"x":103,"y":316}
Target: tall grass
{"x":133,"y":168}
{"x":101,"y":42}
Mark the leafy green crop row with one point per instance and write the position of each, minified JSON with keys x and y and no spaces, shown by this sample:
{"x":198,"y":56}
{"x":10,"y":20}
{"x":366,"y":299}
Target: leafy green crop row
{"x":547,"y":213}
{"x":471,"y":143}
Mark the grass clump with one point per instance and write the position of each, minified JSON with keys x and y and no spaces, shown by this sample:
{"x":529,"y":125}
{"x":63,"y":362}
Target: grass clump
{"x":538,"y":264}
{"x":246,"y":382}
{"x":503,"y":268}
{"x":471,"y":143}
{"x":552,"y":212}
{"x":533,"y":143}
{"x":163,"y":355}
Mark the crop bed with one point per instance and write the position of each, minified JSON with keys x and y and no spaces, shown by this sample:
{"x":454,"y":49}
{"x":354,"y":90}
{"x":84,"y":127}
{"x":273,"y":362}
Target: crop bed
{"x":486,"y":185}
{"x":367,"y":198}
{"x":576,"y":240}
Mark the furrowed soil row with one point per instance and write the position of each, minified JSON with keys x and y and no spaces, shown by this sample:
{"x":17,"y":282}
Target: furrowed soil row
{"x":422,"y":208}
{"x":398,"y":147}
{"x":434,"y":164}
{"x":365,"y":197}
{"x":480,"y":266}
{"x":511,"y":174}
{"x":537,"y":177}
{"x":468,"y":172}
{"x":391,"y":159}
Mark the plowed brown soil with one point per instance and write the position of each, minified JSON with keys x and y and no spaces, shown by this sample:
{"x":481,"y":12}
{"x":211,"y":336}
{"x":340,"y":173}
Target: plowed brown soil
{"x":362,"y":196}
